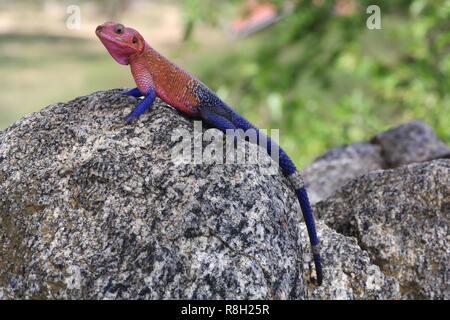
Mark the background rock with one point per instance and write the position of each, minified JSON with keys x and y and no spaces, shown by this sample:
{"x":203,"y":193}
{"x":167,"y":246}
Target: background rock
{"x":93,"y":208}
{"x":401,"y":217}
{"x":337,"y":165}
{"x":410,"y":142}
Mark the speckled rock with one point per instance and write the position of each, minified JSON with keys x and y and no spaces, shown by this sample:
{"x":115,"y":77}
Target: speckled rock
{"x":347,"y":269}
{"x":93,"y":208}
{"x":410,"y":142}
{"x":337,"y":165}
{"x":401,"y":217}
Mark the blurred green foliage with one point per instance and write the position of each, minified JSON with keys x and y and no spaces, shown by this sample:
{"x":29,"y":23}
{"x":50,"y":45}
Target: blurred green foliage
{"x":326,"y":79}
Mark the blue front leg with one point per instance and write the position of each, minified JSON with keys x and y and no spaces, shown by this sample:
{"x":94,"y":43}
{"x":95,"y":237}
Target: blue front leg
{"x":133,"y":92}
{"x":142,"y":106}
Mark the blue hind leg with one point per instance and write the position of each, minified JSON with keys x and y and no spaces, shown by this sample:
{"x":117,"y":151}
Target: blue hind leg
{"x":216,"y":119}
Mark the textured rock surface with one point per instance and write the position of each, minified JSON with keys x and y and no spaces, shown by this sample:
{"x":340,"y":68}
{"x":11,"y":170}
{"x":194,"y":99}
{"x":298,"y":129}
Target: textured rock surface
{"x":401,"y":217}
{"x":410,"y":142}
{"x":347,"y":269}
{"x":93,"y":208}
{"x":337,"y":165}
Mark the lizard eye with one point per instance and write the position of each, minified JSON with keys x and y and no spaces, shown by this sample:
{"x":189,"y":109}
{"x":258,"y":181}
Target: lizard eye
{"x":134,"y":40}
{"x":118,"y":29}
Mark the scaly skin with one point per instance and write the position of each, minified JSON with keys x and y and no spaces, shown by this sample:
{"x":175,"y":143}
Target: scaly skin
{"x":155,"y":75}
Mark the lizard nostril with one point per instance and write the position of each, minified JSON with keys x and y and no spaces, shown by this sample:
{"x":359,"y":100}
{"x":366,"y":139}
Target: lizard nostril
{"x":99,"y":28}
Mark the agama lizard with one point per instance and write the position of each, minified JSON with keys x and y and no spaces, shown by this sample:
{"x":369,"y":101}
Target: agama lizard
{"x":155,"y":75}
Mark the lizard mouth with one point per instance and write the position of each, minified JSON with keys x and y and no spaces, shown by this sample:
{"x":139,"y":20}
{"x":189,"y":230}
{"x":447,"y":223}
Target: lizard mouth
{"x":108,"y":37}
{"x":116,"y":46}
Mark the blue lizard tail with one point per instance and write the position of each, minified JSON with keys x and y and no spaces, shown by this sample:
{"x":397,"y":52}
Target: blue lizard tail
{"x":310,"y":225}
{"x":223,"y":117}
{"x":296,"y":179}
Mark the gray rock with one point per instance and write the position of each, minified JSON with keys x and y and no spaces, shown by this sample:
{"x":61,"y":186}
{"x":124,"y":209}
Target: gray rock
{"x":337,"y":165}
{"x":401,"y":217}
{"x":93,"y":208}
{"x":347,"y":269}
{"x":410,"y":142}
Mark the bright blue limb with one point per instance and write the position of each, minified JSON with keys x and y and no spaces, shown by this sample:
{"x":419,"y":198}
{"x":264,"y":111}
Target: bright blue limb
{"x":142,"y":106}
{"x":223,"y":117}
{"x":133,"y":92}
{"x":216,"y":120}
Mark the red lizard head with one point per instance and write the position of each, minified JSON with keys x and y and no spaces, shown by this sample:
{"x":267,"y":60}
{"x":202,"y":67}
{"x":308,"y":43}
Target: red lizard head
{"x":121,"y":42}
